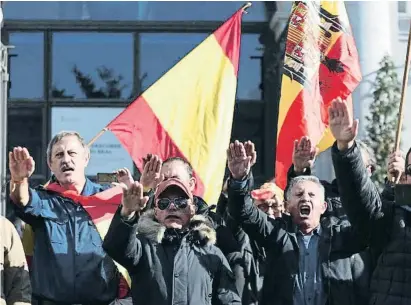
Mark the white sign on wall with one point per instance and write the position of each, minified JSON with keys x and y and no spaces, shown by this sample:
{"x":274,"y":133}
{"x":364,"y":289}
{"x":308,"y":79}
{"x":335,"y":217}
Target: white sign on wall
{"x":107,"y":154}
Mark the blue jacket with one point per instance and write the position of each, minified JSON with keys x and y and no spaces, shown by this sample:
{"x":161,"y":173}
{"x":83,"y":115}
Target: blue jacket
{"x":69,"y":264}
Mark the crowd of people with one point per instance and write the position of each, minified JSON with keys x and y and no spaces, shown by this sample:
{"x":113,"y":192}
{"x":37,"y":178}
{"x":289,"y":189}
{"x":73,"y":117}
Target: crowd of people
{"x":315,"y":243}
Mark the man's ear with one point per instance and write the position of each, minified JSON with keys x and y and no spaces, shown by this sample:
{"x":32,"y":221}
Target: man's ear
{"x":193,"y":183}
{"x":87,"y":156}
{"x":324,"y":207}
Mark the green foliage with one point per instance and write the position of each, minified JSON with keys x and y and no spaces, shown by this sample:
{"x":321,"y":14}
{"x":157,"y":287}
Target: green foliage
{"x":383,"y":116}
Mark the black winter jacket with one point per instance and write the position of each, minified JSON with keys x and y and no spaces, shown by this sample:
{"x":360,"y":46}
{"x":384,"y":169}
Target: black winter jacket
{"x":251,"y":261}
{"x":364,"y":262}
{"x":337,"y":245}
{"x":385,"y":227}
{"x":170,"y":267}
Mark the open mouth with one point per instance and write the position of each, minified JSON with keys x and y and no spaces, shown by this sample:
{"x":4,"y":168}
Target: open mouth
{"x":305,"y":210}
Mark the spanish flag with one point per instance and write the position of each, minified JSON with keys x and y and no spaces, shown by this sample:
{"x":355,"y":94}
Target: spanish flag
{"x":188,"y":112}
{"x":320,"y":64}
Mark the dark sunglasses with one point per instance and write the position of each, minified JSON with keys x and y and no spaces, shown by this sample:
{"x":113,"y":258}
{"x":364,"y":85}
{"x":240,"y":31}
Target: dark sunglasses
{"x":179,"y":203}
{"x":408,"y":170}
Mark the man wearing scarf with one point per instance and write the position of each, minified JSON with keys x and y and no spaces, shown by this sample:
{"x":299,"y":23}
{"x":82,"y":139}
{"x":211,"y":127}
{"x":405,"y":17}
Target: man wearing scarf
{"x":69,"y":218}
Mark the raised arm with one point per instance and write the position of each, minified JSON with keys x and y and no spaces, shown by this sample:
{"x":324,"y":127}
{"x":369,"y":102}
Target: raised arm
{"x":21,"y":166}
{"x":121,"y":242}
{"x":359,"y":194}
{"x":304,"y":153}
{"x":240,"y":205}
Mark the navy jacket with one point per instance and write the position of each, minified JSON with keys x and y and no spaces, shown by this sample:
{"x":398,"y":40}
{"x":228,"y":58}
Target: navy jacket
{"x":69,"y":264}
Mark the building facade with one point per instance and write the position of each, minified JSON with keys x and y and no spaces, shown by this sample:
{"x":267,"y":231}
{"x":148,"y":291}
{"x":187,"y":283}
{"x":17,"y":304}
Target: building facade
{"x":76,"y":65}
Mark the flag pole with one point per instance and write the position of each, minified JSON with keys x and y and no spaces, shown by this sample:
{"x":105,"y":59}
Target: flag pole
{"x":403,"y":93}
{"x":97,"y":136}
{"x":402,"y":102}
{"x":245,"y":7}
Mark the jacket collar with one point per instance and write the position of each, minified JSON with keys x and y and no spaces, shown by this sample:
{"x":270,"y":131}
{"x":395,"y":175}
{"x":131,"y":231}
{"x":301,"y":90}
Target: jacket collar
{"x":200,"y":230}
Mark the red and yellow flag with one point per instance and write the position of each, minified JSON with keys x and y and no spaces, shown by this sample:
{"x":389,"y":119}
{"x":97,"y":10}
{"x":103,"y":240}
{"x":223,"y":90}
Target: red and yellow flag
{"x":320,"y":64}
{"x":188,"y":112}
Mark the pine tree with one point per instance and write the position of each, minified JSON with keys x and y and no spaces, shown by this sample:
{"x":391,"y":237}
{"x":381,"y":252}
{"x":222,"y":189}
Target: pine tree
{"x":383,"y":116}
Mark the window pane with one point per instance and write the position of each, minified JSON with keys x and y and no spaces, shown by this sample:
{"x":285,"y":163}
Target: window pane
{"x":154,"y":62}
{"x":26,"y":65}
{"x":92,"y":65}
{"x":249,"y":75}
{"x":131,"y":10}
{"x":25,"y":128}
{"x":402,"y":6}
{"x":107,"y":154}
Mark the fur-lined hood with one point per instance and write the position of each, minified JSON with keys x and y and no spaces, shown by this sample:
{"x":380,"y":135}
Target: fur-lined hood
{"x":201,"y":231}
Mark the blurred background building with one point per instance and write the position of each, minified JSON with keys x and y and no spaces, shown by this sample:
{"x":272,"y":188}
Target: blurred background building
{"x":76,"y":65}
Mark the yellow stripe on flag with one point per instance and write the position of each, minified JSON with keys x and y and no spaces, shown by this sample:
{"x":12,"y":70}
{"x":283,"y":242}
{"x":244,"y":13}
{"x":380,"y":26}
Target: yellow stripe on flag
{"x":200,"y":124}
{"x":289,"y":91}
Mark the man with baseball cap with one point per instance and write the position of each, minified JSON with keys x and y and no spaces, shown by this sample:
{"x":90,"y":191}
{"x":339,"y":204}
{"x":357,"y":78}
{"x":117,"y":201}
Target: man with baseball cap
{"x":169,"y":251}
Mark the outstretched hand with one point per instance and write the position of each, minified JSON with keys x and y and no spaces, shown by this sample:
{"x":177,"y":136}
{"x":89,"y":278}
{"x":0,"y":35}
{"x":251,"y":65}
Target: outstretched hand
{"x":151,"y":176}
{"x":124,"y":176}
{"x":133,"y":199}
{"x":303,"y":154}
{"x":21,"y":164}
{"x":239,"y":163}
{"x":342,"y":125}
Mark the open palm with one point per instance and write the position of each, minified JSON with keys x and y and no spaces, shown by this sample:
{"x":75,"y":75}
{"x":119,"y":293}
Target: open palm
{"x":21,"y":164}
{"x":151,"y":176}
{"x":303,"y":154}
{"x":239,"y":163}
{"x":342,"y":125}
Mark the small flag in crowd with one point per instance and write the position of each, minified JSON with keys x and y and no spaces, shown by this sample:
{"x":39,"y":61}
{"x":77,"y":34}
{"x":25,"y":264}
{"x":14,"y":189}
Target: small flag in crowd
{"x":320,"y":64}
{"x":188,"y":112}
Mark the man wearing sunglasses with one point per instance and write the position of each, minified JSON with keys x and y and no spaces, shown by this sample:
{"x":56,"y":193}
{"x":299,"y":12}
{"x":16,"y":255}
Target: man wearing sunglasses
{"x":169,"y":251}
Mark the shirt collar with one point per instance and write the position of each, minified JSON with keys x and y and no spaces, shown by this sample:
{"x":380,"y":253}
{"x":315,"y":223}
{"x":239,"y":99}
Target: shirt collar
{"x":316,"y":231}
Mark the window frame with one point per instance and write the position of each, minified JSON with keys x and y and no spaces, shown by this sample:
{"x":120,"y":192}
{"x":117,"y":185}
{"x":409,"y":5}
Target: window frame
{"x":48,"y":27}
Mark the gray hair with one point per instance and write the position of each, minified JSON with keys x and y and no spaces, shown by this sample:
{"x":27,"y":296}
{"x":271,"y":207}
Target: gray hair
{"x":62,"y":134}
{"x":300,"y":179}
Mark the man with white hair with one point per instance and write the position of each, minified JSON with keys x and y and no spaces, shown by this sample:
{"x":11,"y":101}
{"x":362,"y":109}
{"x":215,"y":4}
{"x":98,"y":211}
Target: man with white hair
{"x":309,"y":257}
